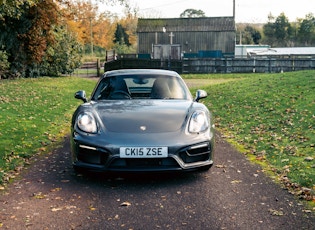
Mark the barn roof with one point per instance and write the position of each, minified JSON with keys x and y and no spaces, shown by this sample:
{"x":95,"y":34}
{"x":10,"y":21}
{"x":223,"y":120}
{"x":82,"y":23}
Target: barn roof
{"x":282,"y":51}
{"x":186,"y":24}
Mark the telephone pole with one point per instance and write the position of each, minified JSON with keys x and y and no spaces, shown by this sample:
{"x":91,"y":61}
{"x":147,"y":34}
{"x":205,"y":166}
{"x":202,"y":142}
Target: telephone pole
{"x":91,"y":35}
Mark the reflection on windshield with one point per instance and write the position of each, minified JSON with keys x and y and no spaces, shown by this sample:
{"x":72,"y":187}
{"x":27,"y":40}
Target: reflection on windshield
{"x":141,"y":87}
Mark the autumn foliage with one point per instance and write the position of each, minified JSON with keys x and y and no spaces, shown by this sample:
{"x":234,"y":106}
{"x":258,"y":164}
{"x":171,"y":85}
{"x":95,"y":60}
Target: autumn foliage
{"x":35,"y":40}
{"x":35,"y":34}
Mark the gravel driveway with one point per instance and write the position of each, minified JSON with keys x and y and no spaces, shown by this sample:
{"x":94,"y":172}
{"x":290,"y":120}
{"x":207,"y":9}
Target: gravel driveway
{"x":233,"y":194}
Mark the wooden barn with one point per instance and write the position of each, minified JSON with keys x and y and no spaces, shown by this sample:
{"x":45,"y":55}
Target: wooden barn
{"x":188,"y":37}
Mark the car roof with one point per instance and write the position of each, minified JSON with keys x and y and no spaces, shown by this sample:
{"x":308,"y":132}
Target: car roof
{"x":141,"y":72}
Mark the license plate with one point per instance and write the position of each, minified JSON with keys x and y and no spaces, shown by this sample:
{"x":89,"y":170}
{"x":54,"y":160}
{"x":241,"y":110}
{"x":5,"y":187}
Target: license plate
{"x":143,"y":152}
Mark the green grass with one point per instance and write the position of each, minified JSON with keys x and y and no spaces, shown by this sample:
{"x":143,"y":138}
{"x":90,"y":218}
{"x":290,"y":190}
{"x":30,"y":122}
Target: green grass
{"x":271,"y":117}
{"x":86,"y":71}
{"x":34,"y":114}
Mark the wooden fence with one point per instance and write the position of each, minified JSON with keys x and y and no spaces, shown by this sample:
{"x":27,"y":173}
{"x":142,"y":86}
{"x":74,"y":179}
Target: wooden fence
{"x":89,"y":69}
{"x":247,"y":65}
{"x":136,"y":63}
{"x":217,"y":65}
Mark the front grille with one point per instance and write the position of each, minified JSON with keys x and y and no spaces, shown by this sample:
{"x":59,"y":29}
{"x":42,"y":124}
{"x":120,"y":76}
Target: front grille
{"x":196,"y":153}
{"x":92,"y":155}
{"x":143,"y":163}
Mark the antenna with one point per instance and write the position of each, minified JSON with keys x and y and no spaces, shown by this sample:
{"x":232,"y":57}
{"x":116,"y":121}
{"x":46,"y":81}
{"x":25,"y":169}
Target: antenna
{"x":234,"y":9}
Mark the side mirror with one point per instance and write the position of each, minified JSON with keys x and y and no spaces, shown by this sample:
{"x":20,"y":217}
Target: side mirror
{"x":200,"y":94}
{"x":81,"y":95}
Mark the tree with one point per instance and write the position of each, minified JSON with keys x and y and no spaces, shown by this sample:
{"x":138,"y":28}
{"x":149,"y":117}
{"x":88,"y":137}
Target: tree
{"x":14,"y":8}
{"x":63,"y":56}
{"x":26,"y":36}
{"x":103,"y":31}
{"x":250,"y":35}
{"x":269,"y":31}
{"x":283,"y":30}
{"x":192,"y":13}
{"x":35,"y":41}
{"x":254,"y":34}
{"x":82,"y":17}
{"x":121,"y":37}
{"x":306,"y":31}
{"x":48,"y":33}
{"x":95,"y":27}
{"x":278,"y":32}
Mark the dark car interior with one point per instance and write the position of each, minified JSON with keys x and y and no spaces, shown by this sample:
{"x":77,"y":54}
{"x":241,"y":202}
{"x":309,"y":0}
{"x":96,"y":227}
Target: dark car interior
{"x":140,"y":87}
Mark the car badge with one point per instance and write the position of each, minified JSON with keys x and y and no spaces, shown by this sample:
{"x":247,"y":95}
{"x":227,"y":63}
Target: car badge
{"x":143,"y":128}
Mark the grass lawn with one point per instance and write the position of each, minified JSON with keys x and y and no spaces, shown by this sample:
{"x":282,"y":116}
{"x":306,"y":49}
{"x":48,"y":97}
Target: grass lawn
{"x":269,"y":117}
{"x":34,"y":116}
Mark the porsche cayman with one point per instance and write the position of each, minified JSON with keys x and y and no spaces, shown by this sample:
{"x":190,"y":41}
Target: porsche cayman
{"x":142,"y":120}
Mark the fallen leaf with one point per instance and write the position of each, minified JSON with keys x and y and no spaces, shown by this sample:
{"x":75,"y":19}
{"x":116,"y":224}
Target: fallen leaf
{"x":236,"y":181}
{"x":55,"y":189}
{"x":39,"y":195}
{"x":260,"y":158}
{"x":220,"y":166}
{"x":308,"y":158}
{"x":275,"y":212}
{"x":126,"y":203}
{"x":307,"y":211}
{"x":56,"y":209}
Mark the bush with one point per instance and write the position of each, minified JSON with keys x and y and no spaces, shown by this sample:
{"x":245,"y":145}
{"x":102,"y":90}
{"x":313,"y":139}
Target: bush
{"x":62,"y":57}
{"x":4,"y":64}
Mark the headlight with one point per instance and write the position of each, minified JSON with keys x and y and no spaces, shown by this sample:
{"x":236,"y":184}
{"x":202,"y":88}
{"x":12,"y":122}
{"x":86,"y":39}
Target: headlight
{"x":86,"y":123}
{"x":198,"y":122}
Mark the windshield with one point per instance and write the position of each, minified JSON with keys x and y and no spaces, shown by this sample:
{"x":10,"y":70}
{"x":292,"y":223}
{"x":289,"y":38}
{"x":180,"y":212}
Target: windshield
{"x":141,"y":87}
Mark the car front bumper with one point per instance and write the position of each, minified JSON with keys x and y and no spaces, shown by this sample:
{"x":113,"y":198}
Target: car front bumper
{"x":183,"y":155}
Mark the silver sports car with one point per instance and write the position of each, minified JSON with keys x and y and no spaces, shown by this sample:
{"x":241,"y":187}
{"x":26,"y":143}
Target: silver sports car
{"x":142,"y":120}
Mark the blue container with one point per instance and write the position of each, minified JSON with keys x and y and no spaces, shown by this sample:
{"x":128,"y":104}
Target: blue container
{"x":191,"y":55}
{"x":210,"y":53}
{"x":144,"y":56}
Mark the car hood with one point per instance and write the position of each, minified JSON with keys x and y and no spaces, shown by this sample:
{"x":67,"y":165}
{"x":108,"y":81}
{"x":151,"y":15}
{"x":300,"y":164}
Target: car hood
{"x":138,"y":116}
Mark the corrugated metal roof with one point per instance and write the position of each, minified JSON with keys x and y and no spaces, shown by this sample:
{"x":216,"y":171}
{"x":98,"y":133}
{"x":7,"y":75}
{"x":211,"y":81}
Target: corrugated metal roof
{"x":282,"y":51}
{"x":186,"y":24}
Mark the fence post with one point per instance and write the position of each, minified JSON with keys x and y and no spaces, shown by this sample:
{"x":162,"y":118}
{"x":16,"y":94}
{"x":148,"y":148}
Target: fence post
{"x":98,"y":67}
{"x":293,"y":64}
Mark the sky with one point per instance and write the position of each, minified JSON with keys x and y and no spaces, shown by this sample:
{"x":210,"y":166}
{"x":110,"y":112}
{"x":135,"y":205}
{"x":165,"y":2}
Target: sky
{"x":250,"y":11}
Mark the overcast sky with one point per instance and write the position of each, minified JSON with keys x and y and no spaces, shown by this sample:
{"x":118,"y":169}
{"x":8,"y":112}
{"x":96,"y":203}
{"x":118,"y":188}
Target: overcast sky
{"x":252,"y":11}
